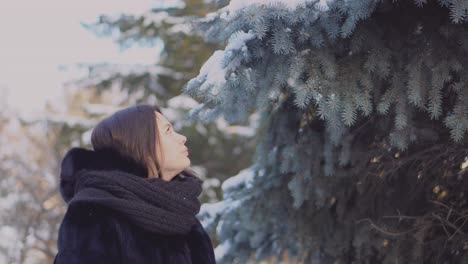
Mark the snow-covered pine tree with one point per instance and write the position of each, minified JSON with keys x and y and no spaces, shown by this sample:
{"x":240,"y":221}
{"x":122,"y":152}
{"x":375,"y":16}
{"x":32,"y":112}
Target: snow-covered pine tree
{"x":363,"y":107}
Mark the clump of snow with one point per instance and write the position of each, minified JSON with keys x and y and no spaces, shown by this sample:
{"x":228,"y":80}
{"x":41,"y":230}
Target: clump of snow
{"x":172,"y":115}
{"x":209,"y":212}
{"x":213,"y":70}
{"x":243,"y":131}
{"x":234,"y":6}
{"x":239,"y":41}
{"x":157,"y":18}
{"x":71,"y":121}
{"x":211,"y":182}
{"x":86,"y":137}
{"x":209,"y":17}
{"x":182,"y":102}
{"x":322,"y":5}
{"x":201,"y":129}
{"x":221,"y":250}
{"x":200,"y":171}
{"x":173,"y":4}
{"x":109,"y":71}
{"x":244,"y":177}
{"x":185,"y":28}
{"x":208,"y":188}
{"x":9,"y":234}
{"x":99,"y":109}
{"x":212,"y":73}
{"x":246,"y":131}
{"x":154,"y":17}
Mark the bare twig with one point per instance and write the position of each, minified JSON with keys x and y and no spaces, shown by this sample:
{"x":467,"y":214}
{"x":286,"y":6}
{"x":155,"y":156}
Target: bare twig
{"x":459,"y":229}
{"x":385,"y":231}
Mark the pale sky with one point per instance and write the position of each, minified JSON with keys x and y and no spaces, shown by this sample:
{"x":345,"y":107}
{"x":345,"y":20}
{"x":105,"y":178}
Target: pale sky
{"x":36,"y":37}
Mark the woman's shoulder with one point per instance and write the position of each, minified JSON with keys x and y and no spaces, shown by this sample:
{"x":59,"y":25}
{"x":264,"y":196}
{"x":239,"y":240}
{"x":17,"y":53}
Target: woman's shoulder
{"x":88,"y":214}
{"x":87,"y":219}
{"x":87,"y":235}
{"x":83,"y":221}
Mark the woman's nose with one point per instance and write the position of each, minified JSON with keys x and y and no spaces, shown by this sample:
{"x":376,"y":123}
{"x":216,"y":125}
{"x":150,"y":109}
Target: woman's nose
{"x":184,"y":139}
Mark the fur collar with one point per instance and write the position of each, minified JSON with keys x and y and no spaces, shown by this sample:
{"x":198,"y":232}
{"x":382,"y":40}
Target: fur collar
{"x":79,"y":159}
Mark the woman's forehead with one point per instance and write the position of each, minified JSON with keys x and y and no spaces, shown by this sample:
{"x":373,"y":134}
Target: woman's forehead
{"x":161,"y":118}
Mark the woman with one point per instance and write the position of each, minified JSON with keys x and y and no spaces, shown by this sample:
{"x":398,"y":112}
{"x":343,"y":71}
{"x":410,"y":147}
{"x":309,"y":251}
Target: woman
{"x":132,"y":199}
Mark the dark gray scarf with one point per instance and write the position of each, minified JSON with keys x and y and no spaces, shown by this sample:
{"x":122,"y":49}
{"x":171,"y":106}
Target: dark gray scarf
{"x":163,"y":207}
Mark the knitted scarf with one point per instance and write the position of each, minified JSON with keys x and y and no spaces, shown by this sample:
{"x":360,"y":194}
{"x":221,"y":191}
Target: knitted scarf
{"x":156,"y":205}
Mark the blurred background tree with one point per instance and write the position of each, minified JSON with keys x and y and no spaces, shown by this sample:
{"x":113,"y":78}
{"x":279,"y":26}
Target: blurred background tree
{"x":31,"y":206}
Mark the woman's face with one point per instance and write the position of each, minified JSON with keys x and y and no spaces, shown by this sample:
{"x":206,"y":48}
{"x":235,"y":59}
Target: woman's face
{"x":172,"y":153}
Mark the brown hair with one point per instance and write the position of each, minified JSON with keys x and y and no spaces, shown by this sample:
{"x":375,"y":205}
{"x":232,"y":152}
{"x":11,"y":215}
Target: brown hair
{"x":132,"y":132}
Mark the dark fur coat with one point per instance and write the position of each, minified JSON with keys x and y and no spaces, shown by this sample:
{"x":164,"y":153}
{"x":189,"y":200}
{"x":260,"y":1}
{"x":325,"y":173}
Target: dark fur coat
{"x":91,"y":233}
